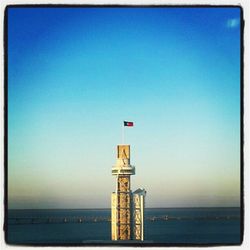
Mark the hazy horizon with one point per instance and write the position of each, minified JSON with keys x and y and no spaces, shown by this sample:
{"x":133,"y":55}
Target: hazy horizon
{"x":74,"y":76}
{"x":107,"y":208}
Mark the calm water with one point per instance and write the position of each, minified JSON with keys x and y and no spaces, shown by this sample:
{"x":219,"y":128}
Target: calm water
{"x":170,"y":226}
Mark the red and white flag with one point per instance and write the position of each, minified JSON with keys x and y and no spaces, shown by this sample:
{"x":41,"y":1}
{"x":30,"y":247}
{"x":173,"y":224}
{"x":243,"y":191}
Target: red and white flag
{"x":128,"y":124}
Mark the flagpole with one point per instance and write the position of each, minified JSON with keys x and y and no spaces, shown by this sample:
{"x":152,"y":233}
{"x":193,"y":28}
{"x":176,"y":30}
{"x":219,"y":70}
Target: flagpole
{"x":123,"y":134}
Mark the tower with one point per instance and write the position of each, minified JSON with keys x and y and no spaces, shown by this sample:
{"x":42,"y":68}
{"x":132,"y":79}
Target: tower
{"x":138,"y":204}
{"x":127,"y":208}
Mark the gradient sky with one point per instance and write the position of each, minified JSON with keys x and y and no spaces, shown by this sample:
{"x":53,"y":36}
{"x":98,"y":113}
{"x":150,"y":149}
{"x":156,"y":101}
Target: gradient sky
{"x":74,"y":74}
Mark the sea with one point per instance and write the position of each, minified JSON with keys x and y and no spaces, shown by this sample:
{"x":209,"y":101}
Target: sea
{"x":163,"y":226}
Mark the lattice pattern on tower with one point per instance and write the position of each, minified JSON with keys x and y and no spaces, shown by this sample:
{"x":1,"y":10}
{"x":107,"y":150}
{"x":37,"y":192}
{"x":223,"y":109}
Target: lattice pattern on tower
{"x":126,"y":215}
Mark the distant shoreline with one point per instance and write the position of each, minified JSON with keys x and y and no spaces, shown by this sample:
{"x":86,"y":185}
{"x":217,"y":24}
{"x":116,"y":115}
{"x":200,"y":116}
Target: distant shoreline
{"x":153,"y":208}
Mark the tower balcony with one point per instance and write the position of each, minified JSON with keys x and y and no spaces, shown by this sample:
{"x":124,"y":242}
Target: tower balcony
{"x":123,"y":170}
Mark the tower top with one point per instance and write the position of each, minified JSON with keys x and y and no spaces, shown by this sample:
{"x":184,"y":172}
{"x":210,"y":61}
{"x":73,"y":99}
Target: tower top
{"x":123,"y":166}
{"x":123,"y":151}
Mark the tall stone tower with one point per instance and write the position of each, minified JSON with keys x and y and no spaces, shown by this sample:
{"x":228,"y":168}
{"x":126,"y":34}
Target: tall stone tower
{"x":127,"y":208}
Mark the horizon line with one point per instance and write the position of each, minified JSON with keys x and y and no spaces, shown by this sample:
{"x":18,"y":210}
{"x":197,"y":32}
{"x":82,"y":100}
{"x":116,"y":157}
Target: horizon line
{"x":110,"y":208}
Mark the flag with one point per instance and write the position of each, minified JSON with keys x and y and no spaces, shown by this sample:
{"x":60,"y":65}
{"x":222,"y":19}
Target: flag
{"x":128,"y":124}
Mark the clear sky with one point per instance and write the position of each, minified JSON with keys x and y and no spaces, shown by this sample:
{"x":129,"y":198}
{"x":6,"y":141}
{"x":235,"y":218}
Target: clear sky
{"x":74,"y":74}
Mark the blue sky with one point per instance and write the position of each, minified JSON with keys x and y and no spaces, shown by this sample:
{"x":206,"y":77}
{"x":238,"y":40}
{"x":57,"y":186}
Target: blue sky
{"x":74,"y":74}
